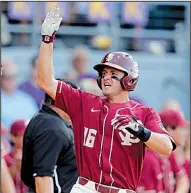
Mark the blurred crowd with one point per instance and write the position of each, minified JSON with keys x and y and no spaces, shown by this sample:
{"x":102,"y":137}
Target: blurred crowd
{"x":21,"y":101}
{"x":19,"y":21}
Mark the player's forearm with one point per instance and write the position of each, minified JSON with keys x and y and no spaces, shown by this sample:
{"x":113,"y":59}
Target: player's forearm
{"x":160,"y":143}
{"x":45,"y":65}
{"x":49,"y":28}
{"x":44,"y":184}
{"x":7,"y":185}
{"x":13,"y":170}
{"x":182,"y":184}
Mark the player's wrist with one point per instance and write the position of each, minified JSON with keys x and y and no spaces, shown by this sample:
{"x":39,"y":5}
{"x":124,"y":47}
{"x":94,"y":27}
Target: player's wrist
{"x":48,"y":39}
{"x":143,"y":133}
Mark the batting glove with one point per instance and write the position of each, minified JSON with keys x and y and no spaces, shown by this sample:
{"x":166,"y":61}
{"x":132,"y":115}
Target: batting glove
{"x":51,"y":25}
{"x":131,"y":124}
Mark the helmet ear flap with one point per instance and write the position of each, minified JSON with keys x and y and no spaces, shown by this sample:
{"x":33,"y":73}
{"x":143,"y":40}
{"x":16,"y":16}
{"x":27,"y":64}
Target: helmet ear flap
{"x":128,"y":83}
{"x":122,"y":83}
{"x":99,"y":81}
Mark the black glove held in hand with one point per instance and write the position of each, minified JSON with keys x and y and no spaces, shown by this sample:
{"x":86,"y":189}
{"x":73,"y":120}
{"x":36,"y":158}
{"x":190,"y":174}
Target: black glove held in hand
{"x":142,"y":133}
{"x":131,"y":124}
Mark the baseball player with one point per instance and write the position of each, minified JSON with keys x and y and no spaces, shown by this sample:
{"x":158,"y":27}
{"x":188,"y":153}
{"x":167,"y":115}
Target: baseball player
{"x":151,"y":180}
{"x":110,"y":133}
{"x":175,"y":123}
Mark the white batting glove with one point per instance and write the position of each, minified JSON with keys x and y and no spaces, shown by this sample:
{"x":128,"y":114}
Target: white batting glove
{"x":50,"y":25}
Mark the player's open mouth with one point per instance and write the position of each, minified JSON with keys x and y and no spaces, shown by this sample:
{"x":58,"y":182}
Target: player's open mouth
{"x":107,"y":85}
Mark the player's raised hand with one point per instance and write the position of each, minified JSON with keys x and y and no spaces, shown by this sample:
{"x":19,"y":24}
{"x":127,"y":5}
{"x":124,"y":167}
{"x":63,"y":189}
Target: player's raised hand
{"x":51,"y":24}
{"x":131,"y":124}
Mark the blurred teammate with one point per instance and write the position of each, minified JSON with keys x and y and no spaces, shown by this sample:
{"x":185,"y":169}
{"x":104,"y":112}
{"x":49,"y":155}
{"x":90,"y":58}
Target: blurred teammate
{"x":161,"y":173}
{"x":5,"y":138}
{"x":186,"y":163}
{"x":187,"y":155}
{"x":109,"y":142}
{"x":175,"y":124}
{"x":13,"y":159}
{"x":151,"y":179}
{"x":7,"y":185}
{"x":48,"y":163}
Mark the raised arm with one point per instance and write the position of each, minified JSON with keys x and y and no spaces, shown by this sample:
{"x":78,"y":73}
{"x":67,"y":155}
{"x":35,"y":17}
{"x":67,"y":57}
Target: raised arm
{"x":46,"y":80}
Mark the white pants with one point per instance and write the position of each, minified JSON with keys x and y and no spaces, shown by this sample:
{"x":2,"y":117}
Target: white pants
{"x":90,"y":188}
{"x":78,"y":188}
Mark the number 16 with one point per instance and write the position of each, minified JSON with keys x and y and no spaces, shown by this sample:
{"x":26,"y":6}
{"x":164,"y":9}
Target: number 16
{"x":89,"y":137}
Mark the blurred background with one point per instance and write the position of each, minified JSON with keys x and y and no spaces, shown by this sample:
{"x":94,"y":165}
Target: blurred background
{"x":157,"y":34}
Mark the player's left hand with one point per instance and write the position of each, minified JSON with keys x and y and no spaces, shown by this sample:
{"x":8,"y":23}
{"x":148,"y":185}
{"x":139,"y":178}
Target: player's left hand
{"x":125,"y":121}
{"x":131,"y":124}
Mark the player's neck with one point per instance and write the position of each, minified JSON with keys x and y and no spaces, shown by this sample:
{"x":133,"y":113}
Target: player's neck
{"x":120,"y":98}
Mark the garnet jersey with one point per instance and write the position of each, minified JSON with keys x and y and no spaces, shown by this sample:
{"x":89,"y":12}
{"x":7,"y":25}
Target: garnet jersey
{"x":105,"y":155}
{"x":19,"y":184}
{"x":186,"y":166}
{"x":159,"y":172}
{"x":175,"y":169}
{"x":152,"y":174}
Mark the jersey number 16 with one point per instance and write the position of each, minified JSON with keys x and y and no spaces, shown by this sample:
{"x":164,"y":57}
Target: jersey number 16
{"x":89,"y":137}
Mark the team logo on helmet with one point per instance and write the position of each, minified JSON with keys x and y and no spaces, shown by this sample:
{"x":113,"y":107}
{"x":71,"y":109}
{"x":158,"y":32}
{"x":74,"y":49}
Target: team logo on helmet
{"x":109,"y":57}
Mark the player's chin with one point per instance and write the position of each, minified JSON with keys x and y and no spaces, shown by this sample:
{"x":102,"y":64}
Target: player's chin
{"x":106,"y":93}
